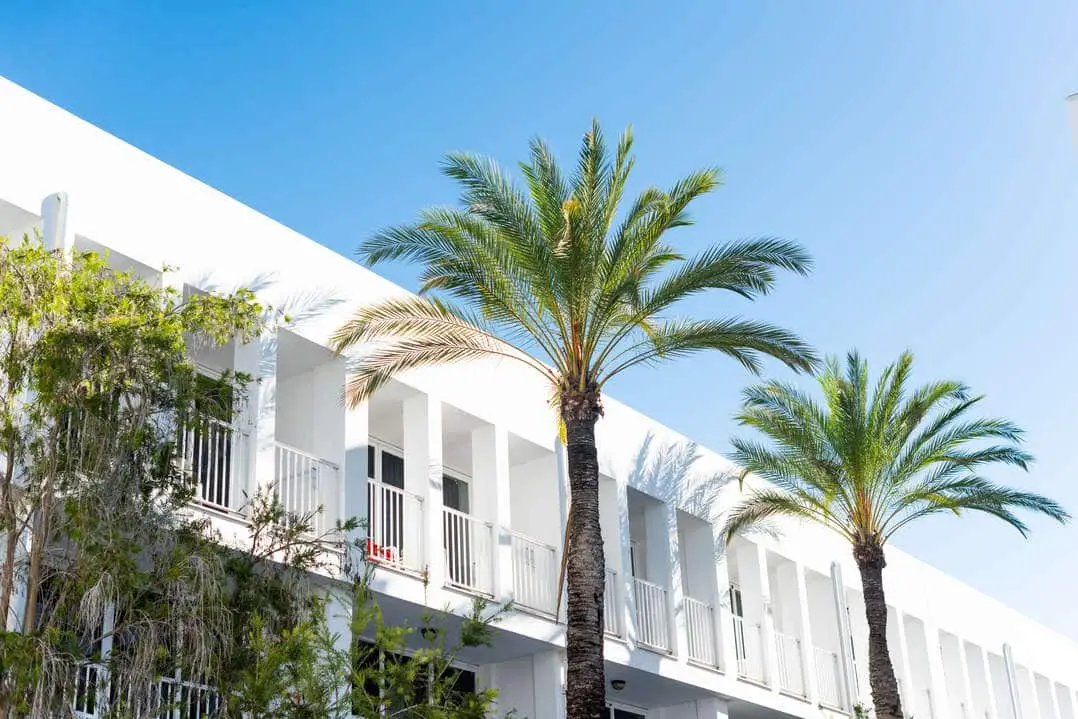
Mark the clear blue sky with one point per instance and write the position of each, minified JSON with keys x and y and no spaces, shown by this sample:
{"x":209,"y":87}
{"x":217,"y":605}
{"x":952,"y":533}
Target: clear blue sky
{"x":920,"y":151}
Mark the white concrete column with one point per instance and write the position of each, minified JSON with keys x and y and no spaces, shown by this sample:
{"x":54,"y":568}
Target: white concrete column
{"x":1054,"y":697}
{"x":490,"y":477}
{"x":989,"y":683}
{"x":807,"y":653}
{"x":1012,"y":682}
{"x":771,"y":663}
{"x":904,"y":661}
{"x":263,"y":398}
{"x":354,"y":491}
{"x":842,"y":614}
{"x":548,"y":670}
{"x":56,"y":232}
{"x":937,"y":678}
{"x":724,"y":616}
{"x":967,"y":683}
{"x":665,"y":521}
{"x":1034,"y":699}
{"x":626,"y":595}
{"x":423,"y":475}
{"x":246,"y":360}
{"x":712,"y":708}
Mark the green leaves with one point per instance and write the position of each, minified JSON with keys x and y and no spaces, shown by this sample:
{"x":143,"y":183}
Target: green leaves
{"x":873,"y":457}
{"x":552,"y":272}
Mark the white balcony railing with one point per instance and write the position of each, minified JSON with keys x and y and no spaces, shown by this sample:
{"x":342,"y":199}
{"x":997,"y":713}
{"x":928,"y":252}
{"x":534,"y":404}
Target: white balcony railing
{"x":167,"y":697}
{"x":652,"y":617}
{"x":394,"y":527}
{"x":700,"y":623}
{"x":535,"y":573}
{"x":791,"y":670}
{"x":749,"y":648}
{"x":213,"y":453}
{"x":829,"y":678}
{"x":306,"y":484}
{"x":469,"y":551}
{"x":611,"y":604}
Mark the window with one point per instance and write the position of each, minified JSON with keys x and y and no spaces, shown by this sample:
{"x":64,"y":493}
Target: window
{"x":455,"y":493}
{"x":373,"y":667}
{"x":385,"y":504}
{"x":623,"y":712}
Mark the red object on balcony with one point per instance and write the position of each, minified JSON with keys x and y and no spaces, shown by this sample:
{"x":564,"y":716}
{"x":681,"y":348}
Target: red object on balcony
{"x":380,"y":554}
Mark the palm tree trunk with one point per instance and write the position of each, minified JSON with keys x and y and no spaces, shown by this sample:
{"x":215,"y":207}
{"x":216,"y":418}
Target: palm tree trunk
{"x":881,"y":673}
{"x":585,"y":682}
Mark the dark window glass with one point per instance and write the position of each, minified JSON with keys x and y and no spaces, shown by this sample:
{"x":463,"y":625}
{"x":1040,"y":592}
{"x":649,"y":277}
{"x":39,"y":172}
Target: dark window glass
{"x":370,"y":462}
{"x":455,"y":493}
{"x":392,"y":470}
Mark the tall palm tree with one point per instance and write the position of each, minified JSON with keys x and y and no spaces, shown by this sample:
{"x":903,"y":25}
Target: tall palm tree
{"x":871,"y":460}
{"x":558,"y":276}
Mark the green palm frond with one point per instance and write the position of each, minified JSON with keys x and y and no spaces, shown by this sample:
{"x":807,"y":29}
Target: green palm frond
{"x":559,"y":269}
{"x":868,"y":458}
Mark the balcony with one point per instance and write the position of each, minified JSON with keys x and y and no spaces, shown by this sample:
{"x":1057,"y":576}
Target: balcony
{"x":166,"y":697}
{"x":790,"y":667}
{"x":749,"y":649}
{"x":652,"y":615}
{"x":535,"y":574}
{"x":469,"y":551}
{"x":394,"y":527}
{"x":213,"y":453}
{"x":307,"y":485}
{"x":612,"y":604}
{"x":700,"y":623}
{"x":829,"y":678}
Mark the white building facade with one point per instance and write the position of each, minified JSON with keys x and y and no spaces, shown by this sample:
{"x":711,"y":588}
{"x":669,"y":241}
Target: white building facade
{"x":459,"y":476}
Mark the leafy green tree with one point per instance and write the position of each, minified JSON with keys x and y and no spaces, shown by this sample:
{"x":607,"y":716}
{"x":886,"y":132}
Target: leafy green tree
{"x":95,"y":387}
{"x":868,"y":461}
{"x":563,"y":278}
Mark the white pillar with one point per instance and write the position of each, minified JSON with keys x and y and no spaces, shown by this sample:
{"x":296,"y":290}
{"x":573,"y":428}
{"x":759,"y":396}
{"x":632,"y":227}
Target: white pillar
{"x":548,"y":677}
{"x":56,"y":232}
{"x":989,"y":683}
{"x":354,"y":492}
{"x":967,"y":683}
{"x":936,"y":676}
{"x":904,"y":661}
{"x":423,"y":475}
{"x":838,"y":592}
{"x":1054,"y":698}
{"x":246,"y":360}
{"x":490,"y":477}
{"x":1035,"y":700}
{"x":624,"y":584}
{"x":1012,"y":682}
{"x":771,"y":663}
{"x":724,"y":616}
{"x":807,"y":656}
{"x":662,"y":545}
{"x":263,"y":398}
{"x":712,"y":708}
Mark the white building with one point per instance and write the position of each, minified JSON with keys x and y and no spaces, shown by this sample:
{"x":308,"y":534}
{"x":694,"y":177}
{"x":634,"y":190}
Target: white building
{"x":460,"y":469}
{"x":1072,"y":112}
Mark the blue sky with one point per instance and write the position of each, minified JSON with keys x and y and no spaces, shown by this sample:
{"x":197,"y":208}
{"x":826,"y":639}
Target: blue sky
{"x":920,"y":150}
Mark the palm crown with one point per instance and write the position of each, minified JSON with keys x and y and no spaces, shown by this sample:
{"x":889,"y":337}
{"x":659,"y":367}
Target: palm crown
{"x":869,"y":461}
{"x":553,"y":276}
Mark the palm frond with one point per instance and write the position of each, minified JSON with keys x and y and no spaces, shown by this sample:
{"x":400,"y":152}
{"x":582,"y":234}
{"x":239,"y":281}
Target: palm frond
{"x":873,"y":457}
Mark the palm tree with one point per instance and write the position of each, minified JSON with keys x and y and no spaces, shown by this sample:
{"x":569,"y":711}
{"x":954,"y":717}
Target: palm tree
{"x":868,"y":462}
{"x":554,"y":277}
